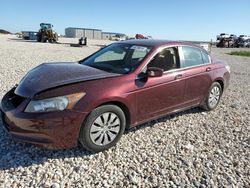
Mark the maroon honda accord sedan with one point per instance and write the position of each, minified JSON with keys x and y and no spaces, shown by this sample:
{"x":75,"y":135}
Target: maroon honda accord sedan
{"x":92,"y":102}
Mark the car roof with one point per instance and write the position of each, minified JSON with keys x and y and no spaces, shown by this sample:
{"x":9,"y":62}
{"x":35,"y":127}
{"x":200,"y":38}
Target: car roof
{"x":154,"y":42}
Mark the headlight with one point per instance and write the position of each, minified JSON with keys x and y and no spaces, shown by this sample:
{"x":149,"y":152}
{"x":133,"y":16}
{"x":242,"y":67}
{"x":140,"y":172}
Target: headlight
{"x":228,"y":68}
{"x":54,"y":104}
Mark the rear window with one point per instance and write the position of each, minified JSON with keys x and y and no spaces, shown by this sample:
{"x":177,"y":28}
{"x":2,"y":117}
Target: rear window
{"x":192,"y":56}
{"x":205,"y":57}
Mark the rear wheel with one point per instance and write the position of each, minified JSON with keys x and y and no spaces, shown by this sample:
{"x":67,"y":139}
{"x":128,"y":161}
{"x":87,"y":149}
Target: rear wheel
{"x":213,"y":97}
{"x":103,"y":128}
{"x":39,"y":37}
{"x":44,"y":38}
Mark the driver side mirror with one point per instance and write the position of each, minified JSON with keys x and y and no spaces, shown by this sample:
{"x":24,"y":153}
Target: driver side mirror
{"x":154,"y":72}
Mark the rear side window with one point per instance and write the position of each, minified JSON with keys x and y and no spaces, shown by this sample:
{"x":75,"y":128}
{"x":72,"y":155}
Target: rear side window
{"x":205,"y":57}
{"x":192,"y":56}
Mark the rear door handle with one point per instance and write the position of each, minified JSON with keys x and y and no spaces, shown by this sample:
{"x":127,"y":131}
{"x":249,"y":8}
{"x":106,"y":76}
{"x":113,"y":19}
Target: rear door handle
{"x":208,"y":69}
{"x":178,"y":76}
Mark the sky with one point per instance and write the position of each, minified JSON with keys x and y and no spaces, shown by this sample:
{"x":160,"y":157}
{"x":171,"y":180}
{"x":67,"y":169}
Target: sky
{"x":162,"y":19}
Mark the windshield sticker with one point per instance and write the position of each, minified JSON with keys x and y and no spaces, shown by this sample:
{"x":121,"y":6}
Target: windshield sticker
{"x":139,"y":48}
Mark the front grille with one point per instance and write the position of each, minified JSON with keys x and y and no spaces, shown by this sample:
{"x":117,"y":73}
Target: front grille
{"x":11,"y":100}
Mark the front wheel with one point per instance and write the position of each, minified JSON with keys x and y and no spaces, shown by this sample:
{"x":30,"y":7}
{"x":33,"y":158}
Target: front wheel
{"x":213,"y":97}
{"x":39,"y":38}
{"x":103,"y":128}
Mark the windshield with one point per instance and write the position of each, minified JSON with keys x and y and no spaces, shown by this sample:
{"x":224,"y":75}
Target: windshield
{"x":118,"y":58}
{"x":45,"y":26}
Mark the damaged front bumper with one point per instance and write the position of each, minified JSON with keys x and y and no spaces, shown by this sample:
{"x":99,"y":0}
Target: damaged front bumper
{"x":53,"y":130}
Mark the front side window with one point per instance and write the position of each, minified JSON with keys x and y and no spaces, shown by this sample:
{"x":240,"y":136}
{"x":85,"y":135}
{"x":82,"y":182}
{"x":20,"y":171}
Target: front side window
{"x":118,"y":58}
{"x":192,"y":56}
{"x":167,"y":59}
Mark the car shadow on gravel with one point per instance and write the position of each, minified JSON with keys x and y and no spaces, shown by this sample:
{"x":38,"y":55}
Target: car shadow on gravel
{"x":14,"y":155}
{"x":196,"y":110}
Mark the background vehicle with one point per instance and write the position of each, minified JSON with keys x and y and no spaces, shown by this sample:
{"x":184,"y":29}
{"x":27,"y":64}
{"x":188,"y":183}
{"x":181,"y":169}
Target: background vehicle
{"x":25,"y":35}
{"x":248,"y":43}
{"x":223,"y":35}
{"x":139,"y":36}
{"x":244,"y":37}
{"x":243,"y":42}
{"x":46,"y":33}
{"x":232,"y":41}
{"x":118,"y":37}
{"x":233,"y":36}
{"x":29,"y":35}
{"x":224,"y":40}
{"x":227,"y":43}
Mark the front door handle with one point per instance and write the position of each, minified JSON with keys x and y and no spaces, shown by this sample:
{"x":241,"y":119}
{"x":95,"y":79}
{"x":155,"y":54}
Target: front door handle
{"x":208,"y":69}
{"x":178,"y":76}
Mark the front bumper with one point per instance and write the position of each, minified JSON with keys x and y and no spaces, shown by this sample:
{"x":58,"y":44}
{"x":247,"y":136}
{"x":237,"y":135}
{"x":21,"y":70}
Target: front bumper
{"x":54,"y":130}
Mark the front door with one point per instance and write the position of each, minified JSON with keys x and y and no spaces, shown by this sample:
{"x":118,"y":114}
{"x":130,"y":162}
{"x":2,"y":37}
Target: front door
{"x":159,"y":95}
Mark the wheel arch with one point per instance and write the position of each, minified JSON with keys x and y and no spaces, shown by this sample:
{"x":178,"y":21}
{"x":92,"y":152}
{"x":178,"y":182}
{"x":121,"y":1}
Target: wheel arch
{"x":123,"y":107}
{"x":221,"y":82}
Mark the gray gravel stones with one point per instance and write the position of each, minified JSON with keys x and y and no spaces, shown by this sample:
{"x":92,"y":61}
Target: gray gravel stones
{"x":191,"y":148}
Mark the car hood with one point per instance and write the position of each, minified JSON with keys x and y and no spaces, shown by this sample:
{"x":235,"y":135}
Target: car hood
{"x":50,"y":75}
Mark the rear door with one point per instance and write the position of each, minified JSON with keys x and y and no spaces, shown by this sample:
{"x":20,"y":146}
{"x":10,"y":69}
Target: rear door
{"x":198,"y":73}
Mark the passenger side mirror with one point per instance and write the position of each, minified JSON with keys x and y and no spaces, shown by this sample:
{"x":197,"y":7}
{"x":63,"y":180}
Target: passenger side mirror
{"x":154,"y":72}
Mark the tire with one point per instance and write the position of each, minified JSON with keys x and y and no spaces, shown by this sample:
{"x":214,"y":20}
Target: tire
{"x":43,"y":38}
{"x":103,"y":128}
{"x":213,"y":97}
{"x":39,"y":38}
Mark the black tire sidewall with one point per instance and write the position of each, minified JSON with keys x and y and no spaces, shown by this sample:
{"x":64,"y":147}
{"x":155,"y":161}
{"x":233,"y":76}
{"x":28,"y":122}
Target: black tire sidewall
{"x":215,"y":84}
{"x":84,"y":136}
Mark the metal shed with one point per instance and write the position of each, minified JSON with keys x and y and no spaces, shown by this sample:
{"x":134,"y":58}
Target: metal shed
{"x":74,"y":32}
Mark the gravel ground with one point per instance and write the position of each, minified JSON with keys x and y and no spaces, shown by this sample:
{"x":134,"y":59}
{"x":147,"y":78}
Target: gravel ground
{"x":192,"y":148}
